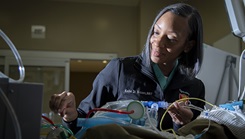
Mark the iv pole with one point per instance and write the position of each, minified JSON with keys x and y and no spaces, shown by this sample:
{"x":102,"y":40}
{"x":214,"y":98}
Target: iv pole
{"x":230,"y":65}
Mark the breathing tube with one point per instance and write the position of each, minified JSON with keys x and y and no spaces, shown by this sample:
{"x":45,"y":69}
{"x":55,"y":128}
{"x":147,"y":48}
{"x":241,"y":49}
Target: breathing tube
{"x":17,"y":56}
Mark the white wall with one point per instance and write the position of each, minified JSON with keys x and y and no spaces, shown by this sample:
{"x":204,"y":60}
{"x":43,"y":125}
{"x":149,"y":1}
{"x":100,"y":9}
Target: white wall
{"x":215,"y":68}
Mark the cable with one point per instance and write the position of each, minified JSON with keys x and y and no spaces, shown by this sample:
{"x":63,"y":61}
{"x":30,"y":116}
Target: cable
{"x":17,"y":56}
{"x":109,"y":110}
{"x":12,"y":114}
{"x":49,"y":120}
{"x":241,"y":95}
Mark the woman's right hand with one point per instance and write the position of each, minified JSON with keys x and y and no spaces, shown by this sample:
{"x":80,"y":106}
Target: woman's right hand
{"x":65,"y":105}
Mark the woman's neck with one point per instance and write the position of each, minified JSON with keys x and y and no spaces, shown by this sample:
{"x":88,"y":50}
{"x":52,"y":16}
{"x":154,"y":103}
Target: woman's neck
{"x":167,"y":68}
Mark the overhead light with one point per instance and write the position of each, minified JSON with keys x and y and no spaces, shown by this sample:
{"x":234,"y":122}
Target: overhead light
{"x":104,"y":61}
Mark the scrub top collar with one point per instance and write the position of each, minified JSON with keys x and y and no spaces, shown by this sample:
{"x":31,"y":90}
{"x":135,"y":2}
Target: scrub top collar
{"x":163,"y":80}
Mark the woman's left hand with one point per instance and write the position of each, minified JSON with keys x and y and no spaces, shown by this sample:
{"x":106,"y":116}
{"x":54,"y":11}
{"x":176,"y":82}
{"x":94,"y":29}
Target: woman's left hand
{"x":179,"y":113}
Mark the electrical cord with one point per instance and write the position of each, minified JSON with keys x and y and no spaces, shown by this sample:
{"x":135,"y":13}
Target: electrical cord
{"x":12,"y":113}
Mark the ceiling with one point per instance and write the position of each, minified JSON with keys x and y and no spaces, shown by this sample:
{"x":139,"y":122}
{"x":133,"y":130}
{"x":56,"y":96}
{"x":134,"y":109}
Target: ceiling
{"x":110,"y":2}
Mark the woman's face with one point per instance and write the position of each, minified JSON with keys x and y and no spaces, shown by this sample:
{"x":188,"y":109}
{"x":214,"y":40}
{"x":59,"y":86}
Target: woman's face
{"x":169,"y":38}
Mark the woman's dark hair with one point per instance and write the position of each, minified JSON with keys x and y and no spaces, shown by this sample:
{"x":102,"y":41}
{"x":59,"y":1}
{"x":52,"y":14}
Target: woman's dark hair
{"x":189,"y":63}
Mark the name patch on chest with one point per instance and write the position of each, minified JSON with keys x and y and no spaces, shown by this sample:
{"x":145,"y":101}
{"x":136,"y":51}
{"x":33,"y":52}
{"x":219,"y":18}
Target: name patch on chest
{"x":131,"y":91}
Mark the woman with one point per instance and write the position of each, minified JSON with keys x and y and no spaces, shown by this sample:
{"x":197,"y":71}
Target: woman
{"x":165,"y":70}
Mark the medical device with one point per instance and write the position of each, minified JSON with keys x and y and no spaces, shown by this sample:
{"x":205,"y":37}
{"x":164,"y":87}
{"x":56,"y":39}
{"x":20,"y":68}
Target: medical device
{"x":142,"y":114}
{"x":235,"y":10}
{"x":236,"y":13}
{"x":21,"y":103}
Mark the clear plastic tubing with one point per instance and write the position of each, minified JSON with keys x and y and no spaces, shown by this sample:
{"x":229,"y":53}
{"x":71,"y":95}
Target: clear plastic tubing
{"x":17,"y":56}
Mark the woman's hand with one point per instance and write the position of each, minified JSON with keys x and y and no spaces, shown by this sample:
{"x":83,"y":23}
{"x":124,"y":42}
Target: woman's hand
{"x":65,"y":105}
{"x":179,"y":113}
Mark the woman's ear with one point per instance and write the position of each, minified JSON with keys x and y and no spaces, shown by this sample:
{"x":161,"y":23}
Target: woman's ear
{"x":189,"y":46}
